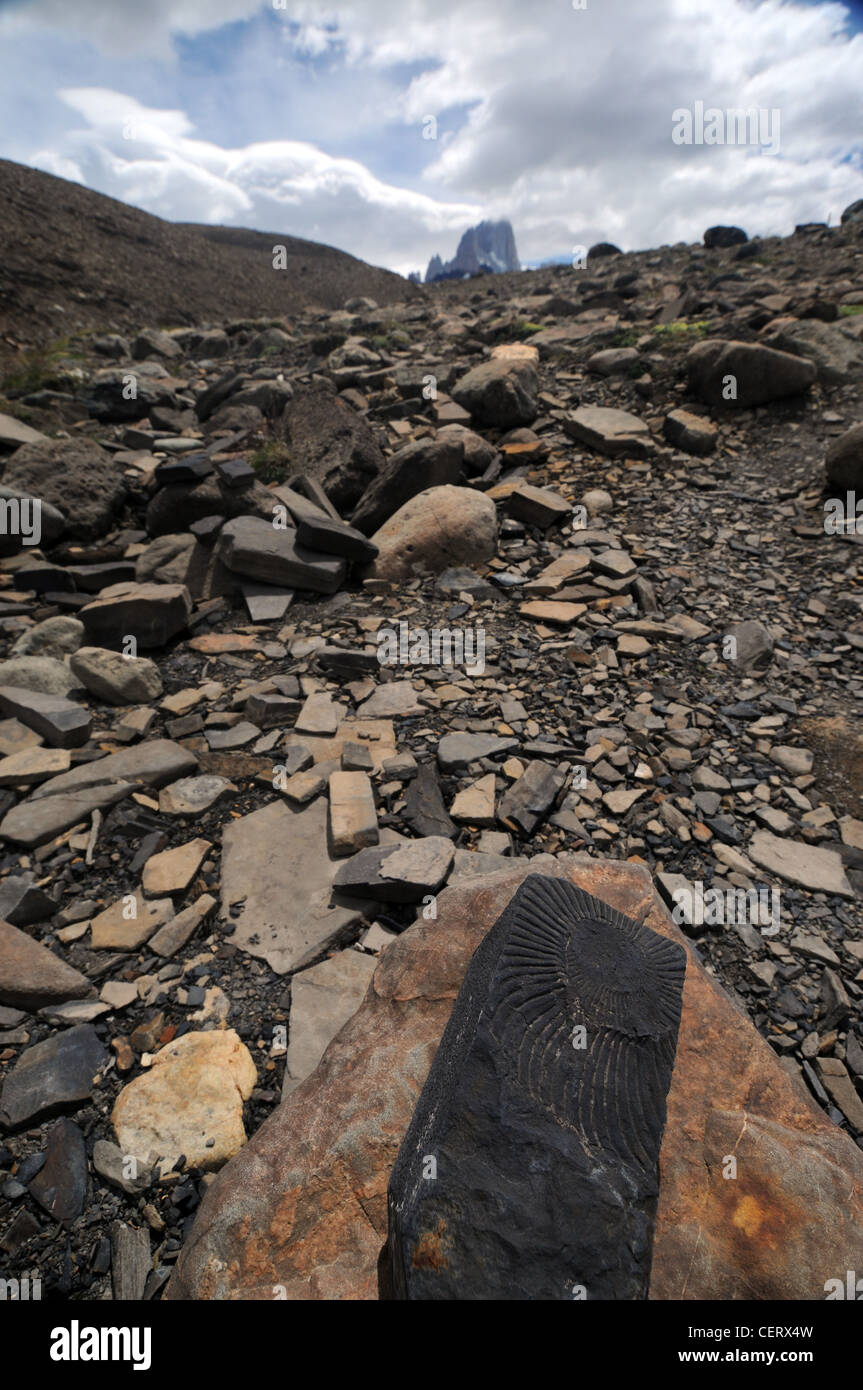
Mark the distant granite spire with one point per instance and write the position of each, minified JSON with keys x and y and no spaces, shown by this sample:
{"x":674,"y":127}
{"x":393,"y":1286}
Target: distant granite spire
{"x":486,"y":249}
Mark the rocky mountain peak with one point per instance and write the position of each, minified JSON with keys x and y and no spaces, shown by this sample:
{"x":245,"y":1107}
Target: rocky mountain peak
{"x":488,"y":248}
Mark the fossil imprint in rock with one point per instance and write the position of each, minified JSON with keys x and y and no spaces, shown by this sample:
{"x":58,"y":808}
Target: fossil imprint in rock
{"x":530,"y":1168}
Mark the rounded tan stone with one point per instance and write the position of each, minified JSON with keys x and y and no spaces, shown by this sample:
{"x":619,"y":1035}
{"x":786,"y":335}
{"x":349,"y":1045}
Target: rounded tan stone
{"x":190,"y":1102}
{"x":439,"y":528}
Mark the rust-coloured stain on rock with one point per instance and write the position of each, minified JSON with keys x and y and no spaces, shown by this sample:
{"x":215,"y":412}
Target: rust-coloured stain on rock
{"x":429,"y":1250}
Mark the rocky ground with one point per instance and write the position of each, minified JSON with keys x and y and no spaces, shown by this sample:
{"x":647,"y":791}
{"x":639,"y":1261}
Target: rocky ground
{"x":218,"y":806}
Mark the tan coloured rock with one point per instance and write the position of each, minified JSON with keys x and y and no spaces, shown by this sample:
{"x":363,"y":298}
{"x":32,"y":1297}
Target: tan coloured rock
{"x":190,"y":1102}
{"x":174,"y":869}
{"x":129,"y":922}
{"x":353,"y":818}
{"x":437,"y":529}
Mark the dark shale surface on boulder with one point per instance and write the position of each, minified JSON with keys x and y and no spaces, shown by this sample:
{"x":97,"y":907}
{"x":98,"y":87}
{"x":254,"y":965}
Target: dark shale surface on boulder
{"x":560,"y":1049}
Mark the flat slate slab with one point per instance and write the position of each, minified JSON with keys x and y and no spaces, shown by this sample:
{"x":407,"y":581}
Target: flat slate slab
{"x":400,"y":873}
{"x":153,"y":764}
{"x":530,"y":1169}
{"x":51,"y":1077}
{"x":608,"y":430}
{"x":250,"y":546}
{"x":35,"y":822}
{"x":61,"y":722}
{"x":277,"y":885}
{"x":812,"y":866}
{"x":31,"y":976}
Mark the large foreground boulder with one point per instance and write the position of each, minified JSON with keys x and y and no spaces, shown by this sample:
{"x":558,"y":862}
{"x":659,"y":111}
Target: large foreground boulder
{"x":745,"y":374}
{"x":76,"y":477}
{"x":442,"y":527}
{"x":304,"y":1204}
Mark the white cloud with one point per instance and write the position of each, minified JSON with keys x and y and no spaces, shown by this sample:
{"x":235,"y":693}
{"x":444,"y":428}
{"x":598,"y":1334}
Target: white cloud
{"x":555,"y":117}
{"x":119,"y":27}
{"x":152,"y":159}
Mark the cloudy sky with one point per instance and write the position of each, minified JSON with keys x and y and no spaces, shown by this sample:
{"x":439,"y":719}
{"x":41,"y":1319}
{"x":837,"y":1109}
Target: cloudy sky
{"x":313,"y":119}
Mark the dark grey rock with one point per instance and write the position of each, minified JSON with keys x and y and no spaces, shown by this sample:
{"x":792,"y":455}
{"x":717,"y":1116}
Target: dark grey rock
{"x":425,"y":811}
{"x":22,"y":903}
{"x":420,"y":465}
{"x":60,"y":1187}
{"x":61,"y":722}
{"x":719,"y":238}
{"x":335,"y":538}
{"x":249,"y":545}
{"x":51,"y":1077}
{"x":528,"y":801}
{"x":530,"y":1169}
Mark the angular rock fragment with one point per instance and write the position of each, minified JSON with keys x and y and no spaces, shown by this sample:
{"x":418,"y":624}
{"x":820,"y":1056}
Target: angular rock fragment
{"x":415,"y":468}
{"x":33,"y":765}
{"x":129,"y":922}
{"x":353,"y":818}
{"x":457,"y":751}
{"x":277,"y":885}
{"x":530,"y":798}
{"x":335,"y":538}
{"x":33,"y":822}
{"x":60,"y":1186}
{"x":52,"y":1076}
{"x":152,"y":763}
{"x":173,"y":870}
{"x":538,"y":506}
{"x":249,"y":545}
{"x":403,"y":873}
{"x":22,"y":903}
{"x":151,"y":613}
{"x":812,"y":866}
{"x":425,"y":811}
{"x":475,"y":805}
{"x":322,"y":1000}
{"x":608,"y":430}
{"x":691,"y":433}
{"x":31,"y":976}
{"x":175,"y":934}
{"x":561,"y":1043}
{"x":61,"y":722}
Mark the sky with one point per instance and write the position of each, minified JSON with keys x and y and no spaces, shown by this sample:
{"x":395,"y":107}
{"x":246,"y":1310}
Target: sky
{"x":387,"y":127}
